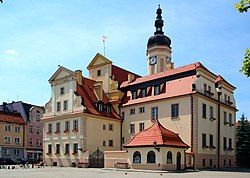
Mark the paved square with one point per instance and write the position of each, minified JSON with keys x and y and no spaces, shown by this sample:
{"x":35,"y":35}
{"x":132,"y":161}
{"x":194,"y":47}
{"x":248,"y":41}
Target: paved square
{"x":66,"y":172}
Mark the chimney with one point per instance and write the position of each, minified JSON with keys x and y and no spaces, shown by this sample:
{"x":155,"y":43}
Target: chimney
{"x":131,"y":77}
{"x":4,"y":106}
{"x":98,"y":90}
{"x":78,"y":74}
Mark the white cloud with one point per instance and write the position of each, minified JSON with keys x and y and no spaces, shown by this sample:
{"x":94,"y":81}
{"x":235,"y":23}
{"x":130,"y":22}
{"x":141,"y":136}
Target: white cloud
{"x":10,"y":54}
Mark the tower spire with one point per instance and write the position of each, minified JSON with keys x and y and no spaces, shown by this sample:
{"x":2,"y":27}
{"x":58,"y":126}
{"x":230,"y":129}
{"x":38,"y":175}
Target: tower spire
{"x":159,"y":22}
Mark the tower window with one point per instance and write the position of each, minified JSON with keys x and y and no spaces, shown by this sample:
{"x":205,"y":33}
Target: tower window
{"x":99,"y":73}
{"x":61,"y":90}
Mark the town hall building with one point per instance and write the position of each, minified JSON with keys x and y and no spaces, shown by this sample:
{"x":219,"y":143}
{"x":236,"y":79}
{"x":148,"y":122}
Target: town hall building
{"x":173,"y":118}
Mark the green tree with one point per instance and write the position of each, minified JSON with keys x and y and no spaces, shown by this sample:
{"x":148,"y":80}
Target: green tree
{"x":243,"y":143}
{"x":242,"y":6}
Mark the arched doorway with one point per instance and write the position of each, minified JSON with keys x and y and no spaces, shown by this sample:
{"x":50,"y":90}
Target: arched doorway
{"x":178,"y":161}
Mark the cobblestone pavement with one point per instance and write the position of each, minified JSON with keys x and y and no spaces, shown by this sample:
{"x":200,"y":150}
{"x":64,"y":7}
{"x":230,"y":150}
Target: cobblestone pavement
{"x":49,"y":172}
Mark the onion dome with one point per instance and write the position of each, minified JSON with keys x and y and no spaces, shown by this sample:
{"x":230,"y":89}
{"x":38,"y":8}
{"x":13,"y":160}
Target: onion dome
{"x":159,"y":38}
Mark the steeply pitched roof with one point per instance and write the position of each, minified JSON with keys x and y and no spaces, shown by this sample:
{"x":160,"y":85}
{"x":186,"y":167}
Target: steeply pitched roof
{"x":86,"y":91}
{"x":121,"y":74}
{"x":11,"y":118}
{"x":156,"y":135}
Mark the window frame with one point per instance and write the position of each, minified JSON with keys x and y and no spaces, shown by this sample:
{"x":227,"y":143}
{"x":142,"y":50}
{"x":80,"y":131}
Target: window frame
{"x":175,"y":110}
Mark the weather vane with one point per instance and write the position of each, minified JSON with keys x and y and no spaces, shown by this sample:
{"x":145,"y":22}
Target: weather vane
{"x":104,"y":42}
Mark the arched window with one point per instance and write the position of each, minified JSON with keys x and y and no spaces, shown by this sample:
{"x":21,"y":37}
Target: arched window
{"x":137,"y":157}
{"x":151,"y":157}
{"x":169,"y":158}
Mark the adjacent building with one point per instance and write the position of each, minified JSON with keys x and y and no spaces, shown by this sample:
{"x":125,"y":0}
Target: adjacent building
{"x":33,"y":134}
{"x":12,"y":142}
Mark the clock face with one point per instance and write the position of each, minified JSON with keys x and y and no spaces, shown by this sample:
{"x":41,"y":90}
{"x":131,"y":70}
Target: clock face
{"x":152,"y":60}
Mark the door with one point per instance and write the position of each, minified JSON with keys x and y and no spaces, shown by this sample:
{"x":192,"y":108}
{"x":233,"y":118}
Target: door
{"x":178,"y":161}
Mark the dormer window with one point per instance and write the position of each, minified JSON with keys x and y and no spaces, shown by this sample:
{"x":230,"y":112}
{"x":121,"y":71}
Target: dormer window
{"x":143,"y":92}
{"x":134,"y":94}
{"x":100,"y":107}
{"x":99,"y":73}
{"x":157,"y":90}
{"x":62,"y":91}
{"x":108,"y":108}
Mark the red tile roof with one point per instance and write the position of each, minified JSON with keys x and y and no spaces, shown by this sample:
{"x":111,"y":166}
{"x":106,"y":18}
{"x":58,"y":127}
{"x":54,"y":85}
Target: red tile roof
{"x":178,"y":70}
{"x":11,"y":118}
{"x":121,"y":74}
{"x":86,"y":91}
{"x":156,"y":135}
{"x":174,"y":88}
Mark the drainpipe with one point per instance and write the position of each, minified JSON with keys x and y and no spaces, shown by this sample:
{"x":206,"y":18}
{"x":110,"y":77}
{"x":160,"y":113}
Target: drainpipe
{"x":192,"y":128}
{"x":218,"y":89}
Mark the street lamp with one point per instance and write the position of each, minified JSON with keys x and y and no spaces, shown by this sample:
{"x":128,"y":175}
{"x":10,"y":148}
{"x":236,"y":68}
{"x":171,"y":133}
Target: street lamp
{"x":219,"y":92}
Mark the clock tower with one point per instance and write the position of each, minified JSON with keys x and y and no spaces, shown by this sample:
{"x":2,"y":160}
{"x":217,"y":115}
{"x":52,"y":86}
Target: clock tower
{"x":158,"y":48}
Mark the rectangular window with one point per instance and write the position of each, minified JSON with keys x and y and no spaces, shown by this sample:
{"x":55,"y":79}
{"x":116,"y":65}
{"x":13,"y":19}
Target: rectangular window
{"x":154,"y":113}
{"x":225,"y":117}
{"x":204,"y":141}
{"x":230,"y":143}
{"x":209,"y":89}
{"x":57,"y":149}
{"x":211,"y":163}
{"x":141,"y":127}
{"x":211,"y":112}
{"x":31,"y":142}
{"x":225,"y":98}
{"x":17,"y":141}
{"x":8,"y":128}
{"x":58,"y":127}
{"x":205,"y":87}
{"x":7,"y":139}
{"x":50,"y":149}
{"x":225,"y":143}
{"x":37,"y":130}
{"x":99,"y":73}
{"x":143,"y":92}
{"x":142,"y":110}
{"x":110,"y":127}
{"x":230,"y":118}
{"x":67,"y":126}
{"x":58,"y":106}
{"x":100,"y":107}
{"x":175,"y":110}
{"x":123,"y":140}
{"x":66,"y":149}
{"x":104,"y":143}
{"x":37,"y":143}
{"x":134,"y":94}
{"x":30,"y":129}
{"x":50,"y":128}
{"x":75,"y":125}
{"x":17,"y":152}
{"x":104,"y":127}
{"x":110,"y":143}
{"x":108,"y":108}
{"x":17,"y":129}
{"x":65,"y":105}
{"x":204,"y":111}
{"x":61,"y":90}
{"x":211,"y":140}
{"x":75,"y":148}
{"x":157,"y":90}
{"x":203,"y":162}
{"x":132,"y":111}
{"x":132,"y":128}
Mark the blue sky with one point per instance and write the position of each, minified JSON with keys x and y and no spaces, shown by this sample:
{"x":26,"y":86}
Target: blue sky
{"x":36,"y":36}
